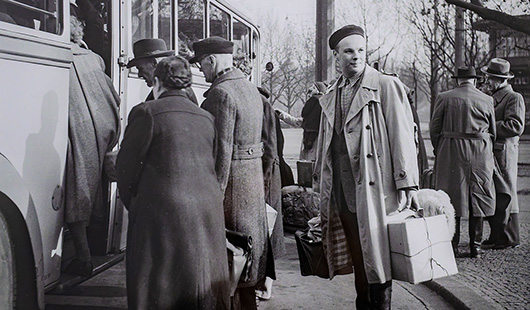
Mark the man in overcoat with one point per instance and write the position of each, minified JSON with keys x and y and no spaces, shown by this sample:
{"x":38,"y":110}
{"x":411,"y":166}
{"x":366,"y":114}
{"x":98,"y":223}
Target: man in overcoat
{"x":238,"y":110}
{"x":366,"y":161}
{"x":509,"y":122}
{"x":462,"y":132}
{"x":147,"y":53}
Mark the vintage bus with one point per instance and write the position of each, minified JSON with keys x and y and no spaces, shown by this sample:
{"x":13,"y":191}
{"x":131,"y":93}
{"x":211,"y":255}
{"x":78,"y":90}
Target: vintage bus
{"x":35,"y":59}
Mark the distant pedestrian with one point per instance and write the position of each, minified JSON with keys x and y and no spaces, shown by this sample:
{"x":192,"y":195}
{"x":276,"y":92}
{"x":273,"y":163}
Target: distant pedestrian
{"x":366,"y":161}
{"x":238,"y":110}
{"x":309,"y":121}
{"x":509,"y":122}
{"x":462,"y":131}
{"x":176,"y":245}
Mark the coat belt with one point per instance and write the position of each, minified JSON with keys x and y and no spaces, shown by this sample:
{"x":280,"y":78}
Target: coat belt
{"x":463,"y":135}
{"x":249,"y":151}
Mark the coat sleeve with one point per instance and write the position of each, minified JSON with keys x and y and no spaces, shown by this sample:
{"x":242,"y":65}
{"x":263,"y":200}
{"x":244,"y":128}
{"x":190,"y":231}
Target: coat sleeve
{"x":318,"y":160}
{"x":224,"y":111}
{"x":513,"y":123}
{"x":400,"y":127}
{"x":436,"y":123}
{"x":133,"y":153}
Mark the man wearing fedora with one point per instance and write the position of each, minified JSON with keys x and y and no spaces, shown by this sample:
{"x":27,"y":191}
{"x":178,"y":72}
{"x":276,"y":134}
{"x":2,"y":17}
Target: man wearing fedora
{"x":147,"y":53}
{"x":509,"y":123}
{"x":462,"y":131}
{"x":238,"y":110}
{"x":365,"y":168}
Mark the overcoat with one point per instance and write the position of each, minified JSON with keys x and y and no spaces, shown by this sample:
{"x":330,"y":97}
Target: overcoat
{"x":271,"y":175}
{"x":509,"y":122}
{"x":379,"y":122}
{"x":176,"y":246}
{"x":238,"y":110}
{"x":93,"y":130}
{"x":462,"y":129}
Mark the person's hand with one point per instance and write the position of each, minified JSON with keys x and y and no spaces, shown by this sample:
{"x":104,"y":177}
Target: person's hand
{"x":280,"y":113}
{"x":109,"y":164}
{"x":408,"y":199}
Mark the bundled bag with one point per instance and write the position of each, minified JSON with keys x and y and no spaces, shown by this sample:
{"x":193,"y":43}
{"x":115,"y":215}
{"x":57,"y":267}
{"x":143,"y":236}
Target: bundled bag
{"x":239,"y":249}
{"x":420,"y":247}
{"x":298,"y":207}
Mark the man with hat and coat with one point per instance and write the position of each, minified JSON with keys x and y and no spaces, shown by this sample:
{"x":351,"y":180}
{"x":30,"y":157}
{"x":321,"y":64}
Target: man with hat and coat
{"x":147,"y":53}
{"x":365,"y":168}
{"x":462,"y":132}
{"x":509,"y":123}
{"x":238,"y":110}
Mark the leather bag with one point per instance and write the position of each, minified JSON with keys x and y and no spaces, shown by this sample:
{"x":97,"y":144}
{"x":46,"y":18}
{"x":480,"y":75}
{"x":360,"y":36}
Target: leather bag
{"x":239,"y":249}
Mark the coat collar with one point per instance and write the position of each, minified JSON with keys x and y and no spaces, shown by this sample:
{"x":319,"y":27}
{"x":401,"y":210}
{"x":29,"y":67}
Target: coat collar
{"x":500,"y":93}
{"x":234,"y":74}
{"x":366,"y":93}
{"x":173,"y":92}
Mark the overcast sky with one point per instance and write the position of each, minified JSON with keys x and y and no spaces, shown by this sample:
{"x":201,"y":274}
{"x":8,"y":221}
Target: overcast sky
{"x":296,"y":9}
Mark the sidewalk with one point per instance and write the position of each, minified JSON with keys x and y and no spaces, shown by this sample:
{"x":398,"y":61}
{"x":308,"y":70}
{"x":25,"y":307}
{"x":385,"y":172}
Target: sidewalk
{"x":498,"y":280}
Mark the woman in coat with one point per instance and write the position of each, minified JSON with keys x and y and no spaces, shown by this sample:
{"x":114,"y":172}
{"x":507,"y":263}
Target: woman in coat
{"x":176,"y":246}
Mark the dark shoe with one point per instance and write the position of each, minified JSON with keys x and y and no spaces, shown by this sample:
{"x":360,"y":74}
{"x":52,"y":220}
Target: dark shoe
{"x":475,"y":252}
{"x":79,"y":268}
{"x":488,"y":244}
{"x":502,"y":246}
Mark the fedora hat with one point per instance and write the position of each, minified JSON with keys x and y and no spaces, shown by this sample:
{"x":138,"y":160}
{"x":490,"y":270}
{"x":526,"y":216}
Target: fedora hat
{"x":146,"y":48}
{"x":211,"y":45}
{"x":465,"y":73}
{"x":498,"y":67}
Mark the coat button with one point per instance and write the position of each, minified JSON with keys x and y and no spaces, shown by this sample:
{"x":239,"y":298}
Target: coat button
{"x":402,"y":174}
{"x":350,"y":130}
{"x":369,"y":155}
{"x":250,"y":151}
{"x":368,"y":127}
{"x":371,"y":183}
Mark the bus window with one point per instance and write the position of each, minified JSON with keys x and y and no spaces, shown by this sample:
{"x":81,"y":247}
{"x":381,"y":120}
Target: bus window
{"x":190,"y":25}
{"x":142,"y":20}
{"x":165,"y":10}
{"x":219,"y":23}
{"x":241,"y":39}
{"x":35,"y":14}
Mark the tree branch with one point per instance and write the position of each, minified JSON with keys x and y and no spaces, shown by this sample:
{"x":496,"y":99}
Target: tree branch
{"x":510,"y":21}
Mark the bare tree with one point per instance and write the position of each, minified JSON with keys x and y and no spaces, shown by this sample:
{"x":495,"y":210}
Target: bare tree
{"x":514,"y":22}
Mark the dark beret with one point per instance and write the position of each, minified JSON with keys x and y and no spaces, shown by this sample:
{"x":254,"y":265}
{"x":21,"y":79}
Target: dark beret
{"x":343,"y":32}
{"x":211,"y":45}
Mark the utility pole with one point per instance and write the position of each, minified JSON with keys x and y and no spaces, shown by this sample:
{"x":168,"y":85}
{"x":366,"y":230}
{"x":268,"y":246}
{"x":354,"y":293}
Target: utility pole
{"x":324,"y":65}
{"x":459,"y":38}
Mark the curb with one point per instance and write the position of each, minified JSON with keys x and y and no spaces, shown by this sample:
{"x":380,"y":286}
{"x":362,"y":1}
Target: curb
{"x":460,"y":296}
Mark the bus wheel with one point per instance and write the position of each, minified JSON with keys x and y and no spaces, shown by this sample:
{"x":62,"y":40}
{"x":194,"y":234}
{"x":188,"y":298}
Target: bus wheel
{"x":7,"y":267}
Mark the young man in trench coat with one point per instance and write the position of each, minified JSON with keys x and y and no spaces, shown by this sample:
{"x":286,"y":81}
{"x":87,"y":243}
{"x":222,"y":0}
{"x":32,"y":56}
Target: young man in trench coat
{"x":366,"y":161}
{"x":238,"y":110}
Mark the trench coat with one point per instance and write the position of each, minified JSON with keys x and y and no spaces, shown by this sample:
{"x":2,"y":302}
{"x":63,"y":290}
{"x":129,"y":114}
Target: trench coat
{"x":238,"y":110}
{"x":380,"y":123}
{"x":176,"y":246}
{"x":93,"y":130}
{"x":271,"y":176}
{"x":462,"y":129}
{"x":509,"y":123}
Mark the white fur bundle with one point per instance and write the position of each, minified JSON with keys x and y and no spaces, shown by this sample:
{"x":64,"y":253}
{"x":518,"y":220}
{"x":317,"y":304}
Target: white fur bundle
{"x":434,"y":202}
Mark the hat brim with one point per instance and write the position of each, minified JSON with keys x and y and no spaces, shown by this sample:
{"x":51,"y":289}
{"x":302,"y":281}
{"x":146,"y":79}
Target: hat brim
{"x":466,"y":77}
{"x":133,"y":61}
{"x":196,"y":58}
{"x":509,"y":76}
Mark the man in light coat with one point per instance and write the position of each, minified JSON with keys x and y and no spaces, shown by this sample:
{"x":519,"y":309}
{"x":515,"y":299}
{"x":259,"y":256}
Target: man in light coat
{"x":509,"y":122}
{"x":462,"y":132}
{"x":238,"y":110}
{"x":366,"y":161}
